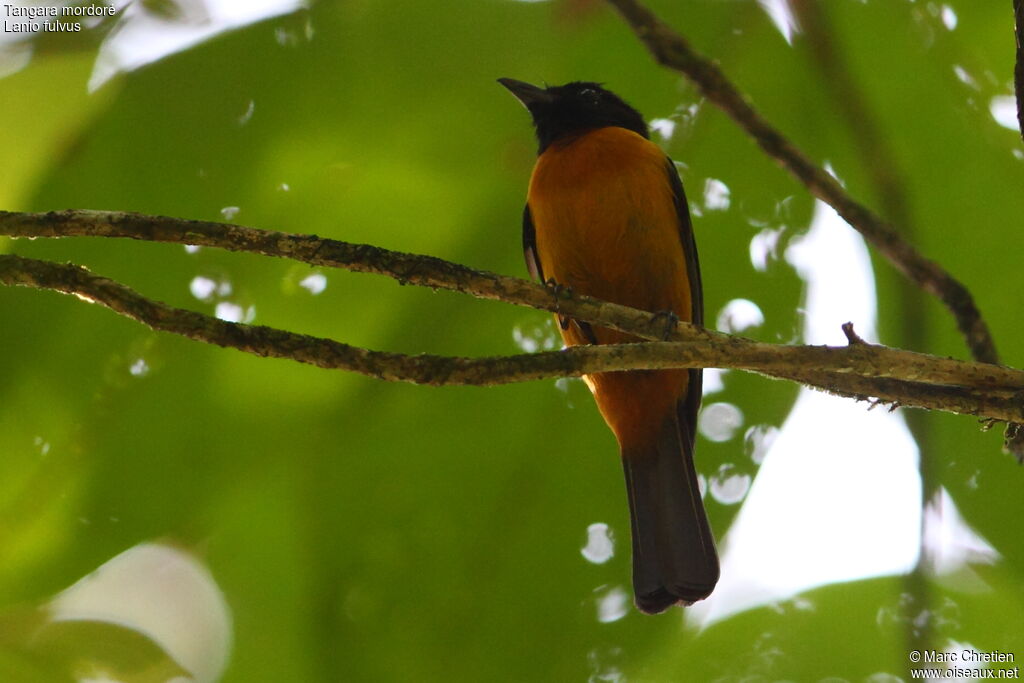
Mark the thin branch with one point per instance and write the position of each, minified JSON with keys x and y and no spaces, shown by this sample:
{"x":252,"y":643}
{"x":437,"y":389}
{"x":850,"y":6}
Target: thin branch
{"x":429,"y":271}
{"x":858,"y":370}
{"x":670,"y":49}
{"x":851,"y":335}
{"x":424,"y":271}
{"x":897,"y":393}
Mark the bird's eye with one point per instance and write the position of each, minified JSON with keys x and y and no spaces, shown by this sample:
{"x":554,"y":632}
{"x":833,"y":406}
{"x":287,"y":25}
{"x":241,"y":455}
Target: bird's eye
{"x":590,"y":95}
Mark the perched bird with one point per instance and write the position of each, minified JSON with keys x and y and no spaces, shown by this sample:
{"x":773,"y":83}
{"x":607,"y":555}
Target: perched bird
{"x":606,"y":216}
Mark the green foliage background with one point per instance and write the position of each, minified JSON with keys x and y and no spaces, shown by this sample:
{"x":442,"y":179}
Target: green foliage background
{"x":379,"y":532}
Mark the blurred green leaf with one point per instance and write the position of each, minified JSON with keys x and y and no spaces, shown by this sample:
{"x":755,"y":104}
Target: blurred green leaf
{"x":369,"y":531}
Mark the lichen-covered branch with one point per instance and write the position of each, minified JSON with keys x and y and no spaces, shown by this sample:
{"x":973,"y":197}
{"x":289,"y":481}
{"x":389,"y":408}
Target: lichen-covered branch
{"x":429,"y":271}
{"x":425,"y":271}
{"x":859,"y":370}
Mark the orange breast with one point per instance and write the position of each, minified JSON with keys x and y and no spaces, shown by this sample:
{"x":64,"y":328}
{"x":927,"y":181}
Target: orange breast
{"x":606,"y":226}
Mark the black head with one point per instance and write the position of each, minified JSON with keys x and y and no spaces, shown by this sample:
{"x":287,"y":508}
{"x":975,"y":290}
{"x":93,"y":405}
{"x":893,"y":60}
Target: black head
{"x":563,"y":111}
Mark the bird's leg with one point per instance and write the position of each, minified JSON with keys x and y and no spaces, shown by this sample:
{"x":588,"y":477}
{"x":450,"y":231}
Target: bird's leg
{"x":559,"y":291}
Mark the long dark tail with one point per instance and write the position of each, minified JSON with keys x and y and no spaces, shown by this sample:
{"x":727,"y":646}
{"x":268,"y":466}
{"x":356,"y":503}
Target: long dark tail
{"x":674,"y":558}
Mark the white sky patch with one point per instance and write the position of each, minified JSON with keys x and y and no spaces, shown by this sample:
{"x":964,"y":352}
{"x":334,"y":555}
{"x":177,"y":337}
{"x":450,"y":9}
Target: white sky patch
{"x":757,"y":440}
{"x":718,"y":422}
{"x":600,"y":546}
{"x":964,"y":76}
{"x":232,"y":312}
{"x":716,"y":195}
{"x":729,"y":486}
{"x":804,"y":522}
{"x":229,"y":212}
{"x":314,"y":283}
{"x":536,"y":337}
{"x":713,"y":382}
{"x":949,"y":18}
{"x":14,"y":56}
{"x":1004,"y":110}
{"x":613,"y":605}
{"x":782,"y":16}
{"x":524,"y":341}
{"x":739,"y":315}
{"x":663,"y":127}
{"x":764,"y":248}
{"x":951,"y":545}
{"x":164,"y":593}
{"x":139,"y":367}
{"x":142,"y":37}
{"x":202,"y":287}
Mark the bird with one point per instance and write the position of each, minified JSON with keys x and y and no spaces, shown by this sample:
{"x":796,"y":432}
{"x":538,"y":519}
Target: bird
{"x":606,"y":216}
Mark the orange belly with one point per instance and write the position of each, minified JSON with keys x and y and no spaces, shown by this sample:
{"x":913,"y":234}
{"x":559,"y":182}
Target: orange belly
{"x":606,"y":226}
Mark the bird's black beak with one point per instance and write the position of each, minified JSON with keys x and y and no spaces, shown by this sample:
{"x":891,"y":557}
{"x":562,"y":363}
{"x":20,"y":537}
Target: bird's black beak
{"x":529,"y":95}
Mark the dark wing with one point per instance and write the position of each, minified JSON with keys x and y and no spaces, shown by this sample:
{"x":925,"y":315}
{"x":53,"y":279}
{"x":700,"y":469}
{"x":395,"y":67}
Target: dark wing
{"x":689,"y":246}
{"x":537,"y":272}
{"x":530,"y":247}
{"x":690,"y":406}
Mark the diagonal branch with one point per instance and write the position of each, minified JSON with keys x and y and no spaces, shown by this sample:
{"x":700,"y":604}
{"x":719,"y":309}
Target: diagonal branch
{"x":424,"y":271}
{"x":670,"y":49}
{"x":429,"y":271}
{"x":859,"y":370}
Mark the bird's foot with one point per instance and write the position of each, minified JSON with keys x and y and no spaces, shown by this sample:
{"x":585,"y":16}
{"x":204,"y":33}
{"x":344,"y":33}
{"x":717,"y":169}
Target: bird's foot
{"x":670,"y":318}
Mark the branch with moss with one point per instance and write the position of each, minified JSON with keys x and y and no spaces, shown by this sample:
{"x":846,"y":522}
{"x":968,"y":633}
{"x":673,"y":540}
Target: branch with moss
{"x":858,"y":370}
{"x":411,"y":269}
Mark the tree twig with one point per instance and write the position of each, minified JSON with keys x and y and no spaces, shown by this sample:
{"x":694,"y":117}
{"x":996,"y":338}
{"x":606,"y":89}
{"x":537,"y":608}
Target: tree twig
{"x":859,"y":370}
{"x":424,"y":271}
{"x":429,"y":271}
{"x":670,"y":49}
{"x":851,"y":334}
